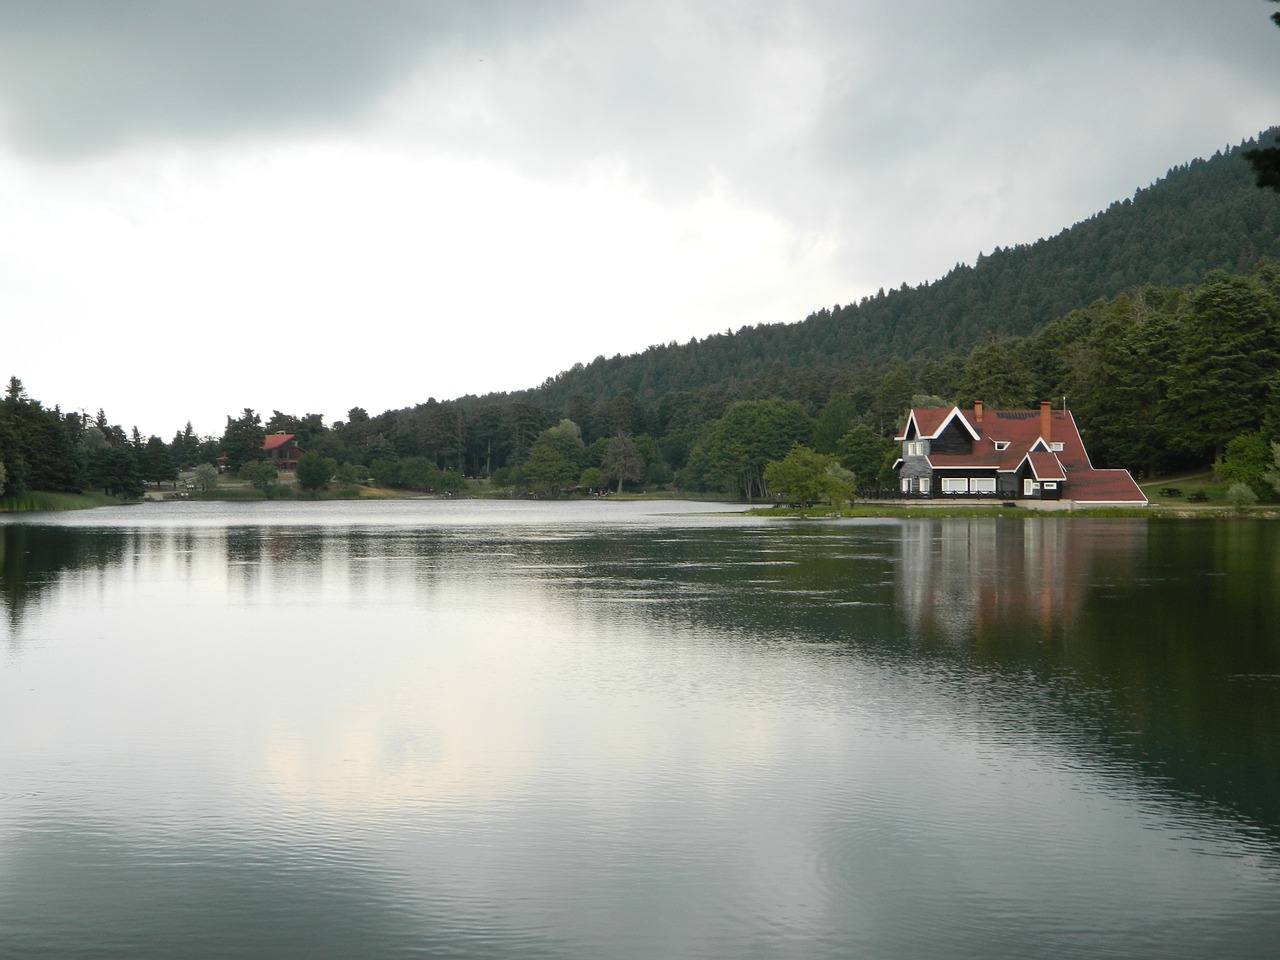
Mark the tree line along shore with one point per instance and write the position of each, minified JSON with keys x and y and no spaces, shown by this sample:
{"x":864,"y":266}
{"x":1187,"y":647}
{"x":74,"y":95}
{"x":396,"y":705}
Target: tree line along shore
{"x":1166,"y":382}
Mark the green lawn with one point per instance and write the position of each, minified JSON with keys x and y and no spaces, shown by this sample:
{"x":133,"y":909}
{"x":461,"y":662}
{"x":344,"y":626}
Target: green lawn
{"x":38,"y":500}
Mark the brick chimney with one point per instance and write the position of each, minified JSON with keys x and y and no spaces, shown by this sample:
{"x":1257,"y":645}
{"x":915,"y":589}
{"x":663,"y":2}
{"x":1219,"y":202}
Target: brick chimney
{"x":1045,"y":416}
{"x":977,"y":410}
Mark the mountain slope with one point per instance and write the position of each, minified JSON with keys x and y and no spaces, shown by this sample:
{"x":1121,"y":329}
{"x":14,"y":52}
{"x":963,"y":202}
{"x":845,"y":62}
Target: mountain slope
{"x":1202,"y":215}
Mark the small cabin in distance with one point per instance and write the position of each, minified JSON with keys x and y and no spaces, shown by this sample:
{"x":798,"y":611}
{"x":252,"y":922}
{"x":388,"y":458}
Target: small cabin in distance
{"x":1006,"y":455}
{"x":282,"y":450}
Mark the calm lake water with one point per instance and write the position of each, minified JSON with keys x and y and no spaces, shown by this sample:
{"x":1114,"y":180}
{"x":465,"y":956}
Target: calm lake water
{"x":589,"y":730}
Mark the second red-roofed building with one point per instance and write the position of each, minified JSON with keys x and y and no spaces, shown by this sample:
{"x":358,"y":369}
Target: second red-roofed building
{"x":282,"y":450}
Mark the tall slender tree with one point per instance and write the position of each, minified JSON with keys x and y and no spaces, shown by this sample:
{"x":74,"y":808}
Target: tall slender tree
{"x":1266,"y":160}
{"x":621,"y":460}
{"x":242,"y":440}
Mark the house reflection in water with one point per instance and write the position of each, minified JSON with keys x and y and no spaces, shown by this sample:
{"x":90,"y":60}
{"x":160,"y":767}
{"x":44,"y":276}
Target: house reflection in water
{"x":979,"y":580}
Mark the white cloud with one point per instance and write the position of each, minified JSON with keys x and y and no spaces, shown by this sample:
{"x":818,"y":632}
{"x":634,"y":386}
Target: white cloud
{"x":302,"y":214}
{"x":341,"y":275}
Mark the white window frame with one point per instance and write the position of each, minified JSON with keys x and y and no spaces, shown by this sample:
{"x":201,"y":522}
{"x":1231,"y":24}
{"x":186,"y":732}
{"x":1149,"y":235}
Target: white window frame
{"x":1049,"y":485}
{"x":906,"y":484}
{"x":1002,"y":444}
{"x":913,"y":448}
{"x":1029,"y":487}
{"x":1056,"y":446}
{"x":982,"y":485}
{"x":955,"y":484}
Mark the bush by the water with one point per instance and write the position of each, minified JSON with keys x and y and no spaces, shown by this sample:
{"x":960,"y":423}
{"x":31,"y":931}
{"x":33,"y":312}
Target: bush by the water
{"x":1240,"y":497}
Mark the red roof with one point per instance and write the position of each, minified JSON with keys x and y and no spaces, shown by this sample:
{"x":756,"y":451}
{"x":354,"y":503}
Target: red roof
{"x":1046,"y":466}
{"x":275,"y":440}
{"x":1006,"y":438}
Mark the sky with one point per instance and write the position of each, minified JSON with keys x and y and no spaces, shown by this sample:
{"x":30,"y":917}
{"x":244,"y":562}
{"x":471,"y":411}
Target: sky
{"x":312,"y":205}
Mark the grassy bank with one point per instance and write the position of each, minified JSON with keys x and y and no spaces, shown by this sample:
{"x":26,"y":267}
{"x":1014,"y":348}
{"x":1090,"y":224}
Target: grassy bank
{"x":30,"y":502}
{"x":1190,"y":495}
{"x":949,"y":511}
{"x":901,"y":511}
{"x":282,"y":492}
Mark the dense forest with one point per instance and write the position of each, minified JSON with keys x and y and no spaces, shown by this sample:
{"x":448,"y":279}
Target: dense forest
{"x":1158,"y":320}
{"x":1201,"y":216}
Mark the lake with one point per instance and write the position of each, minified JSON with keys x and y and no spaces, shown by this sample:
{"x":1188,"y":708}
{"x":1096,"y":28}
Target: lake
{"x":635,"y":730}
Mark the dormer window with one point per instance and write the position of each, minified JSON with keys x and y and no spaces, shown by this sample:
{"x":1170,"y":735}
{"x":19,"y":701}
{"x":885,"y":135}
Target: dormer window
{"x":913,"y":448}
{"x":1002,"y":444}
{"x":1056,"y":446}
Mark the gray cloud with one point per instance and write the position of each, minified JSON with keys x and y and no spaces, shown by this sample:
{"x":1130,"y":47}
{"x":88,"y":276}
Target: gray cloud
{"x":79,"y":77}
{"x":789,"y":100}
{"x":757,"y":92}
{"x":916,"y":133}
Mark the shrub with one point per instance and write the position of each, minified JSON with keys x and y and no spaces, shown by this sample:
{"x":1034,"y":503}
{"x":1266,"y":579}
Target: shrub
{"x":258,"y":473}
{"x":206,"y":477}
{"x":1240,"y":497}
{"x":314,"y":471}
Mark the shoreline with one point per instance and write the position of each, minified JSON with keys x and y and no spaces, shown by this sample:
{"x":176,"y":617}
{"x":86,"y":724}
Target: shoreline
{"x":943,"y":509}
{"x":62,"y":503}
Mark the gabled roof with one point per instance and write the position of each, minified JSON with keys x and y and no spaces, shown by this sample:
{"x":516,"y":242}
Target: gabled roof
{"x":1111,"y":486}
{"x":1045,"y":466}
{"x":931,"y":422}
{"x":275,"y":440}
{"x":1022,"y":431}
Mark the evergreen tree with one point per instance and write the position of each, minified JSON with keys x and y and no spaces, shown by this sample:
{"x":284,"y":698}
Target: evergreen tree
{"x":893,"y":399}
{"x":1230,"y":361}
{"x":184,"y":448}
{"x":997,"y":373}
{"x":156,"y":463}
{"x":862,"y":452}
{"x":1265,"y":161}
{"x":112,"y":467}
{"x":835,"y":420}
{"x":242,"y":440}
{"x":37,"y":445}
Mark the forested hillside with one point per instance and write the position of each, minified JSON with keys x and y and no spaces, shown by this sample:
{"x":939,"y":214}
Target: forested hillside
{"x":1204,"y":215}
{"x":1159,"y":378}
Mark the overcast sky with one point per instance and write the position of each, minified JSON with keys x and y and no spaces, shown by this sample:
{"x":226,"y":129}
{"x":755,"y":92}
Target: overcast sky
{"x":309,"y":205}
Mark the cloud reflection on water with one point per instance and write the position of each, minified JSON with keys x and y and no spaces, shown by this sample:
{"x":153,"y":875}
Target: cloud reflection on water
{"x":556,"y":737}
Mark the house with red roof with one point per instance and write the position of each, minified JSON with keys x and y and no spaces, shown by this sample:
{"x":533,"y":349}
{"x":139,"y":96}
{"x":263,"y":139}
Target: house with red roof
{"x":282,"y":450}
{"x":1005,"y":454}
